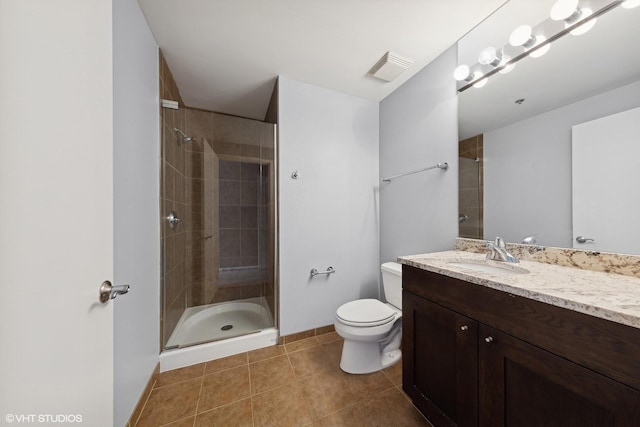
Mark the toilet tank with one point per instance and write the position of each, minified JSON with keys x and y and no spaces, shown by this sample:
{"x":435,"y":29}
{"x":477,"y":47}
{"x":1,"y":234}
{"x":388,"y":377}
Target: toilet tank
{"x":392,"y":282}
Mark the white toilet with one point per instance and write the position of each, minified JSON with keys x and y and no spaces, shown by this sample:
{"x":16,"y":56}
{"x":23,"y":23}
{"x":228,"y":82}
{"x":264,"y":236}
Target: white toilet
{"x":372,"y":330}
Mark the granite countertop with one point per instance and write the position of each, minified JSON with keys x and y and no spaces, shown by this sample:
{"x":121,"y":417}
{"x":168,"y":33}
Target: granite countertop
{"x":608,"y":296}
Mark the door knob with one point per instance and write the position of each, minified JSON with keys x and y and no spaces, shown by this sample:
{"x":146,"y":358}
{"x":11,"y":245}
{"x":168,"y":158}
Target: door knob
{"x":582,"y":239}
{"x":108,"y":291}
{"x":489,"y":339}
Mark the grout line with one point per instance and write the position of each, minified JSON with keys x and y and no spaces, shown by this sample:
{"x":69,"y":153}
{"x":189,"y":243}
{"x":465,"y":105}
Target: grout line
{"x":199,"y":395}
{"x":253,"y":418}
{"x":153,"y":387}
{"x":180,"y":419}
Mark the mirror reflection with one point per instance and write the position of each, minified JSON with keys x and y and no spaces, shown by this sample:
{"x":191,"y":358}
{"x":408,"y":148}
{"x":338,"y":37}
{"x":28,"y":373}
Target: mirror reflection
{"x":526,"y":169}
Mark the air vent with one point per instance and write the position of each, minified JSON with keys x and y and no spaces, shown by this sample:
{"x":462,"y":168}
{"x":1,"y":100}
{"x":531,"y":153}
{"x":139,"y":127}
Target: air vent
{"x":390,"y":66}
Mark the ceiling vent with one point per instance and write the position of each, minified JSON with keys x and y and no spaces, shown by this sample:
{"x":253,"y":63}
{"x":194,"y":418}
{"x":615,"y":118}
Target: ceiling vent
{"x":390,"y":66}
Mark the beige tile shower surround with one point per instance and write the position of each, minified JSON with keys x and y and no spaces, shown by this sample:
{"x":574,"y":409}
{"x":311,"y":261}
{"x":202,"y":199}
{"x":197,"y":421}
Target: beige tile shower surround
{"x":295,"y":384}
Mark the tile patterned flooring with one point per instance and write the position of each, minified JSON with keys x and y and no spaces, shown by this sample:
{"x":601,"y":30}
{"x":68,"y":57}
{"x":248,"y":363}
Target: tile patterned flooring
{"x":297,"y":384}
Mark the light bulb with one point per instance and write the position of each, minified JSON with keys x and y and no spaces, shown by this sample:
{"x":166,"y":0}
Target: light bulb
{"x":563,"y":9}
{"x":508,"y":68}
{"x":630,"y":4}
{"x":489,"y":56}
{"x":521,"y":36}
{"x":584,"y":13}
{"x":482,"y":82}
{"x":461,"y":72}
{"x":542,"y":50}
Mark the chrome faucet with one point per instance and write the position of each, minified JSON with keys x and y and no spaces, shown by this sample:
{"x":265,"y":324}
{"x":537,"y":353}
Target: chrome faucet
{"x":499,"y":252}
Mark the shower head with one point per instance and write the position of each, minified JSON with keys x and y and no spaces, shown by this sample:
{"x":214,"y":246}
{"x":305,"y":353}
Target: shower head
{"x":185,"y":138}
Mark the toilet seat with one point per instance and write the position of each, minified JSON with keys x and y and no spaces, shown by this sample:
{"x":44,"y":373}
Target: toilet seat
{"x":365,"y":313}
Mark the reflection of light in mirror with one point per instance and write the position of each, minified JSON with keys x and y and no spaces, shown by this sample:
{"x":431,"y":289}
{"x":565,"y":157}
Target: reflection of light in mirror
{"x":521,"y":36}
{"x":461,"y":73}
{"x":563,"y":9}
{"x":540,"y":51}
{"x":584,"y":13}
{"x":489,"y":56}
{"x":482,"y":82}
{"x":507,"y":68}
{"x":630,"y":4}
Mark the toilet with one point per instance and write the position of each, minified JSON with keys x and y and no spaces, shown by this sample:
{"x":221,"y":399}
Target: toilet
{"x":372,"y":330}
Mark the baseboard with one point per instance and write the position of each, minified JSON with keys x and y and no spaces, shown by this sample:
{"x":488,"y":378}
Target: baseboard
{"x":288,"y":339}
{"x":145,"y":396}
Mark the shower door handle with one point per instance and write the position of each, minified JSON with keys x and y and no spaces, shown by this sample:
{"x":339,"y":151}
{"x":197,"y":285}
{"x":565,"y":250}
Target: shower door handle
{"x":108,"y":291}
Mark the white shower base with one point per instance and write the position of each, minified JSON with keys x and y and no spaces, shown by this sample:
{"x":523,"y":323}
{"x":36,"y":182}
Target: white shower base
{"x":203,"y":332}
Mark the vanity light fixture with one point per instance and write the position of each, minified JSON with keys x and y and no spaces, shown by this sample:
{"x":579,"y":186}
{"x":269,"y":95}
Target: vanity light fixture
{"x":482,"y":82}
{"x":506,"y":65}
{"x":462,"y":73}
{"x":489,"y":56}
{"x":569,"y":12}
{"x":523,"y":36}
{"x":534,"y":42}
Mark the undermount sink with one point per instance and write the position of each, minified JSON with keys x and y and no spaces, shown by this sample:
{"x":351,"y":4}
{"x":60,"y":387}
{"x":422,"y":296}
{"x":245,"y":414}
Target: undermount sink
{"x":487,"y":266}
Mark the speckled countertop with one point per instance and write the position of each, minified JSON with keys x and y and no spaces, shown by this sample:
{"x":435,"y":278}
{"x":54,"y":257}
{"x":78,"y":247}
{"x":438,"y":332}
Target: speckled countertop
{"x":609,"y":296}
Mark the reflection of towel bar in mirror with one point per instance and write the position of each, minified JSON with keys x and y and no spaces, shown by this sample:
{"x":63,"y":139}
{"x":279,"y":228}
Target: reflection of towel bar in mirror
{"x":443,"y":166}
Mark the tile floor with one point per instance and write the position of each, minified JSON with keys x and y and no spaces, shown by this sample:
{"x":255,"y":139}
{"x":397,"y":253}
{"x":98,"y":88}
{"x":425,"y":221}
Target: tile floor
{"x":297,"y":384}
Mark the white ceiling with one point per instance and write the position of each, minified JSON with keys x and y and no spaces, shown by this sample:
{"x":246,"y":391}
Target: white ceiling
{"x":226,"y":54}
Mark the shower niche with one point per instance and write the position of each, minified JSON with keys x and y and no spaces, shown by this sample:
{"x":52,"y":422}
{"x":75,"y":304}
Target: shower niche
{"x":218,"y":274}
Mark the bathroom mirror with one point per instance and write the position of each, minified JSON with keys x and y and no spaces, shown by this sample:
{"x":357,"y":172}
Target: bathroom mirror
{"x":526,"y":117}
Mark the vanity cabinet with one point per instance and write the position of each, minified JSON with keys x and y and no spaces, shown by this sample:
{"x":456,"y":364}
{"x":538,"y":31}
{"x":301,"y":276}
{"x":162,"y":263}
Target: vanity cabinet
{"x":475,"y":356}
{"x":440,"y":367}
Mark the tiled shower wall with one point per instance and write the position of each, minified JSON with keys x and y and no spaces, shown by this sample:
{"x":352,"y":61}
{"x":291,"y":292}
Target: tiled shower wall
{"x":242,"y":214}
{"x":172,"y":198}
{"x":245,"y":239}
{"x":470,"y":194}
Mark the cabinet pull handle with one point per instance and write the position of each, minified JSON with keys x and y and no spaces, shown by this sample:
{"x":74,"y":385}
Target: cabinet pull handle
{"x":464,"y":327}
{"x":488,"y":339}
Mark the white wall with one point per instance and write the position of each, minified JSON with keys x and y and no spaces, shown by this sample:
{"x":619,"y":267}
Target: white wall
{"x":527,"y":170}
{"x":418,"y":128}
{"x":136,"y":196}
{"x":56,"y":231}
{"x":329,"y":216}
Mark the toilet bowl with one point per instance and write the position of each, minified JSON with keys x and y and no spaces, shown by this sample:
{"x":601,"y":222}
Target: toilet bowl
{"x":372,"y":329}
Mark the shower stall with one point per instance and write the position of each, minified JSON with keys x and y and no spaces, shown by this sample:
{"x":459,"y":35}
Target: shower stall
{"x":219,"y":237}
{"x":470,"y":188}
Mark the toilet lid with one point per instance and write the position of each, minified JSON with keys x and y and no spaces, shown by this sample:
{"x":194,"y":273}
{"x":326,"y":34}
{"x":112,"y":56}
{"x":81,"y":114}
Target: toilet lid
{"x":365,"y":312}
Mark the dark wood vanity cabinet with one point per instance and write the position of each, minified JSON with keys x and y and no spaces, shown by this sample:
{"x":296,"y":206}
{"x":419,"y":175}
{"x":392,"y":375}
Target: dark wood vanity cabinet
{"x":474,"y":356}
{"x":442,"y":383}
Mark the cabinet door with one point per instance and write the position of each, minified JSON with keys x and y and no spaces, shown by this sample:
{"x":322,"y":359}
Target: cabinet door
{"x":523,"y":385}
{"x":440,"y":362}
